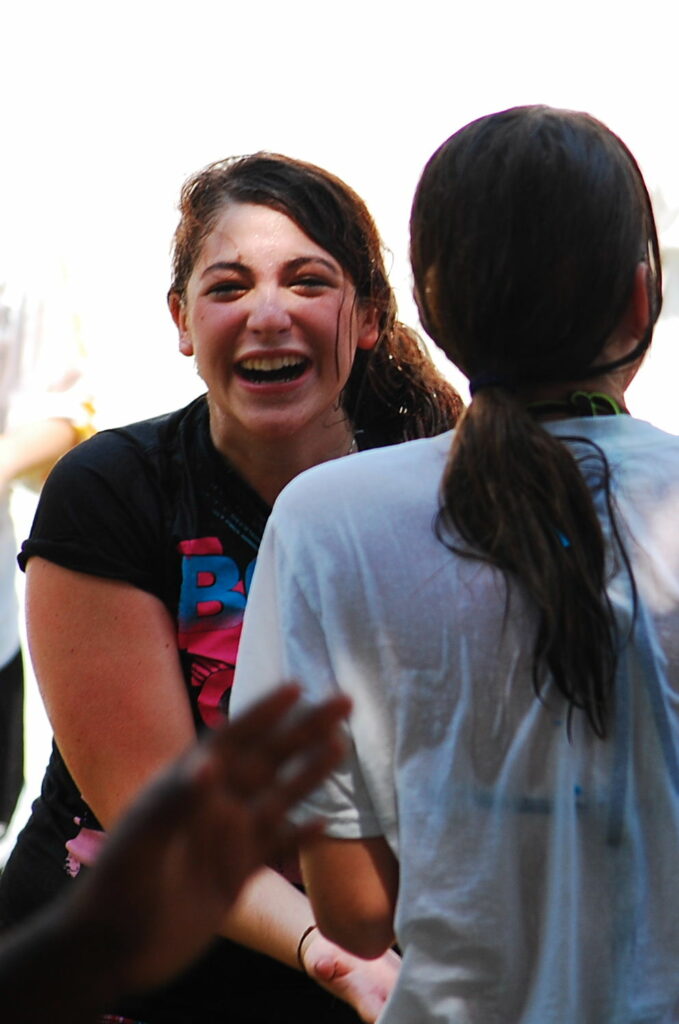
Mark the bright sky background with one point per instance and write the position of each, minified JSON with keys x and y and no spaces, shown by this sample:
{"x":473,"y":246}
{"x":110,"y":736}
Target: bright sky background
{"x":107,"y":108}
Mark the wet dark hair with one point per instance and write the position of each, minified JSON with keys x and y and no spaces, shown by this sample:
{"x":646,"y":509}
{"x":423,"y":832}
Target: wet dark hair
{"x":527,"y":230}
{"x":394,"y":392}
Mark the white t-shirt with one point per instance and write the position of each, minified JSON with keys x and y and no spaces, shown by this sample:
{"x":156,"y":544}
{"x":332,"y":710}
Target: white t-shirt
{"x":41,"y":361}
{"x":539,"y":875}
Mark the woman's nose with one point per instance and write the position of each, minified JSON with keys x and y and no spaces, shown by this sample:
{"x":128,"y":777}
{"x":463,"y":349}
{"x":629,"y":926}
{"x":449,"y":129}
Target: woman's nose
{"x":268,"y":312}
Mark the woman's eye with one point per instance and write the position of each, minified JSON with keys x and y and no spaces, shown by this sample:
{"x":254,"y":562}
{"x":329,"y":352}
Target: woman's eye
{"x":227,"y":289}
{"x":310,"y":282}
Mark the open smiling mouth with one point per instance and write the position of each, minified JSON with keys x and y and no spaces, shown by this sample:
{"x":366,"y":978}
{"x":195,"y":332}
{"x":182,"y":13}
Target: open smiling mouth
{"x":272,"y":370}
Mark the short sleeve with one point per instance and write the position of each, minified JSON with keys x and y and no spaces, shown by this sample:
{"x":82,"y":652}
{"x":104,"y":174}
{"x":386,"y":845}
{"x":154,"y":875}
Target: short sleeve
{"x":283,"y":640}
{"x":100,"y":512}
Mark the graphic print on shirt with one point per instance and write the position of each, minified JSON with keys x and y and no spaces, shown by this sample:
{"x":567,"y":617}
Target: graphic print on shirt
{"x":211,"y":607}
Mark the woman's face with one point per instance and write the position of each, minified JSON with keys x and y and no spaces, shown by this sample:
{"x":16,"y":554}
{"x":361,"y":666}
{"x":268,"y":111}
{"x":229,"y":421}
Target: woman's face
{"x":273,"y":322}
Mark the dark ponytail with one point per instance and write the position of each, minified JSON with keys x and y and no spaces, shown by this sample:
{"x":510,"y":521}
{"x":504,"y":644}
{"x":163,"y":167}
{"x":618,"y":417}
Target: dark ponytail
{"x":517,"y":498}
{"x":527,"y":229}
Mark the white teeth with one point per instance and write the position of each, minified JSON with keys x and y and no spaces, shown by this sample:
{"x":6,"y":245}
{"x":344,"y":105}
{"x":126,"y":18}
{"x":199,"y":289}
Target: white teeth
{"x":270,"y":362}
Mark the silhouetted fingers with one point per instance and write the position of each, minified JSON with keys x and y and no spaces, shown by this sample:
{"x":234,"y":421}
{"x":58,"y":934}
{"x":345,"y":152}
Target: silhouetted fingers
{"x":265,"y":714}
{"x":271,"y":737}
{"x":274,"y":831}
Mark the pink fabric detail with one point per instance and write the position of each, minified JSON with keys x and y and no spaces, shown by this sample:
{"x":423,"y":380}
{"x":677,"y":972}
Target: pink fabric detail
{"x":218,"y":644}
{"x":212,"y":691}
{"x":201,"y":546}
{"x":209,"y":608}
{"x":207,"y":579}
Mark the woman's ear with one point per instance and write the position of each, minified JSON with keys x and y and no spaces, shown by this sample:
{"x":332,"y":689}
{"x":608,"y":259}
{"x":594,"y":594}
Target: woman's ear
{"x":178,"y":314}
{"x":634,"y":321}
{"x":368,"y":326}
{"x":639,"y":309}
{"x":632,"y":327}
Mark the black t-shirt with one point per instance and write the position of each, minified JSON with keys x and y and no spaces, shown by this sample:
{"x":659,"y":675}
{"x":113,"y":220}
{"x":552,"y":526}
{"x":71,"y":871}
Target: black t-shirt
{"x":154,"y":504}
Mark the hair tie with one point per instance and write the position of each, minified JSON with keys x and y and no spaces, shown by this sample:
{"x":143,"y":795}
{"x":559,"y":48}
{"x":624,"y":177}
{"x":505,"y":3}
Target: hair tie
{"x":491,"y":380}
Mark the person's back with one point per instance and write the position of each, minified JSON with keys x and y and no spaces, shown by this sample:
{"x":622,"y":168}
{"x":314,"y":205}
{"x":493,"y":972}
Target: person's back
{"x":502,"y":605}
{"x":536,"y":868}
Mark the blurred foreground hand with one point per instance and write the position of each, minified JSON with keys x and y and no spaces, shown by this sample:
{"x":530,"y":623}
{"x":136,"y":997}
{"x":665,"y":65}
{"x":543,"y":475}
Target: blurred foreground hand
{"x":174,"y":864}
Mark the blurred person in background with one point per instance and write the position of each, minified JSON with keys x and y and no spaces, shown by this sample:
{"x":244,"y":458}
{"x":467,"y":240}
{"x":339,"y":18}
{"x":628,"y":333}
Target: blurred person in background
{"x":44,"y":411}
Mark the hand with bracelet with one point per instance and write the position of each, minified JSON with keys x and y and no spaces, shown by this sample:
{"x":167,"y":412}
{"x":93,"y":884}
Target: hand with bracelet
{"x":365,"y":984}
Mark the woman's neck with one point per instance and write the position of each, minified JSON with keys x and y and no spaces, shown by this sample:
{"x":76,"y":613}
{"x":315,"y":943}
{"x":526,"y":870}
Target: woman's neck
{"x":268,"y":464}
{"x":601,"y":394}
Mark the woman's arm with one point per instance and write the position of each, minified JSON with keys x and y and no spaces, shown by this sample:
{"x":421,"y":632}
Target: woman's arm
{"x":353,"y":886}
{"x":105,"y":655}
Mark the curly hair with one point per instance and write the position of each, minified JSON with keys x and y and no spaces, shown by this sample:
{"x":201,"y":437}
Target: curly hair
{"x":394,"y":392}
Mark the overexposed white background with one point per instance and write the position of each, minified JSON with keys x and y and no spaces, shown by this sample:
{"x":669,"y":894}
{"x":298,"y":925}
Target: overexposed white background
{"x":107,"y":108}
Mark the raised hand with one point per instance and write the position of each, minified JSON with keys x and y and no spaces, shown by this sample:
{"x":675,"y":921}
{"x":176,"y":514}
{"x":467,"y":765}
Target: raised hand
{"x":179,"y":857}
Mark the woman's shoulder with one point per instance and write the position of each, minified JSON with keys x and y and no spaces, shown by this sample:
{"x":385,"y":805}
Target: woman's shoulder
{"x":116,"y":450}
{"x":149,"y":435}
{"x":624,"y":432}
{"x":357,"y":494}
{"x":631,"y":446}
{"x":166,"y":428}
{"x":108,"y":505}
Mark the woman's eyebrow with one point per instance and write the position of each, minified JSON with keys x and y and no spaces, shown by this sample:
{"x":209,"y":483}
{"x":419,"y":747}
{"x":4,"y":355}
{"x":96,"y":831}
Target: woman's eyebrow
{"x":300,"y":261}
{"x":224,"y":265}
{"x":294,"y":264}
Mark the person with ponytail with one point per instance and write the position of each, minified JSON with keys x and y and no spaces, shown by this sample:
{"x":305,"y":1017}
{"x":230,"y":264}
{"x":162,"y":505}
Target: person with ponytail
{"x":144,"y":544}
{"x":502,"y":605}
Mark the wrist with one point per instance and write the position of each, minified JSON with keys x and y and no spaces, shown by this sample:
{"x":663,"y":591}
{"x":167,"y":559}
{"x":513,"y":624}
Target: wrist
{"x":304,"y":941}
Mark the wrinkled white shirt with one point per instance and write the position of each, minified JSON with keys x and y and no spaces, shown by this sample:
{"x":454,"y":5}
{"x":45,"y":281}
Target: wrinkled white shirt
{"x":539,"y":876}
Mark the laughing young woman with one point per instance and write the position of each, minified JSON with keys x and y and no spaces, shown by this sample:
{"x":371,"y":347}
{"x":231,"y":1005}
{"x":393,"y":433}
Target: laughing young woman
{"x":143,"y":547}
